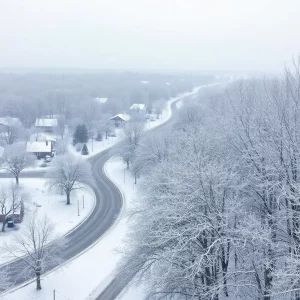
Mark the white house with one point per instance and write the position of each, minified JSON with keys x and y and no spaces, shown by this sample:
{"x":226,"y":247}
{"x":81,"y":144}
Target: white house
{"x":120,"y":119}
{"x":47,"y":125}
{"x":41,"y":148}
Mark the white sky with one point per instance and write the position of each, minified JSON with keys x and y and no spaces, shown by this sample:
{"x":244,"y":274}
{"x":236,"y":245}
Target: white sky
{"x":150,"y":34}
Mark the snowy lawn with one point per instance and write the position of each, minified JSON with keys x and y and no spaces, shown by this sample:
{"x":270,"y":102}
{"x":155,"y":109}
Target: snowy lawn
{"x":94,"y":269}
{"x":95,"y":147}
{"x":43,"y":202}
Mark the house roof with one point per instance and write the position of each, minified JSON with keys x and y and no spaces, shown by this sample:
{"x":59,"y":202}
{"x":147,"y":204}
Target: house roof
{"x":137,"y":106}
{"x":121,"y":117}
{"x":8,"y":121}
{"x":38,"y":147}
{"x":101,"y":100}
{"x":41,"y":136}
{"x":46,"y":122}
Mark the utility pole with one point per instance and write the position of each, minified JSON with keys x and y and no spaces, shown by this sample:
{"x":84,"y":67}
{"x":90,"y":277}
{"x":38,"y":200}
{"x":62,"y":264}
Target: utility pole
{"x":78,"y":208}
{"x":83,"y":201}
{"x":53,"y":294}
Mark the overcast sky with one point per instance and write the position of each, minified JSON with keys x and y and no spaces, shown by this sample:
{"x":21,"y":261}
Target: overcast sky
{"x":149,"y":34}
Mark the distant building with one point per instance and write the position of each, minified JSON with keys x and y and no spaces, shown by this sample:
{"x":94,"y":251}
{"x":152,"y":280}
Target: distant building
{"x":139,"y":109}
{"x":47,"y":125}
{"x":120,"y":119}
{"x":100,"y":100}
{"x":41,"y":148}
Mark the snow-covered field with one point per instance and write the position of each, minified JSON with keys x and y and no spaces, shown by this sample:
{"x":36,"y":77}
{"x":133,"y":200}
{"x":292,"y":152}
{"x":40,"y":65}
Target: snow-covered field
{"x":96,"y":264}
{"x":43,"y":202}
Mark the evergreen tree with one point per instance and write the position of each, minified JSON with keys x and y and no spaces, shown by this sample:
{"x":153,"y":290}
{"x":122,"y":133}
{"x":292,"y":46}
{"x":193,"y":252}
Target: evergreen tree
{"x":85,"y":150}
{"x":80,"y":134}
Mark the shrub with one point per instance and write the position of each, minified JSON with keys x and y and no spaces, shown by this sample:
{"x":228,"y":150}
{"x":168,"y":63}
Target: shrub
{"x":85,"y":150}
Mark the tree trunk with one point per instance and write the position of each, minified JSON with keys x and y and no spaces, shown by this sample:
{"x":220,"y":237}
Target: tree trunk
{"x":127,"y":162}
{"x":3,"y":225}
{"x":68,"y":199}
{"x":17,"y":179}
{"x":38,"y":281}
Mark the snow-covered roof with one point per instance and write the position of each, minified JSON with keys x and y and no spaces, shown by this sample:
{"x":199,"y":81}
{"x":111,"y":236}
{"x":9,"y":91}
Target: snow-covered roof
{"x":123,"y":117}
{"x":138,"y":106}
{"x":1,"y":151}
{"x":46,"y":122}
{"x":38,"y":147}
{"x":101,"y":100}
{"x":41,"y":136}
{"x":8,"y":121}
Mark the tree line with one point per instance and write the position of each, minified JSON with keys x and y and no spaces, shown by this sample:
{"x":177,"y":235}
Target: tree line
{"x":219,"y":210}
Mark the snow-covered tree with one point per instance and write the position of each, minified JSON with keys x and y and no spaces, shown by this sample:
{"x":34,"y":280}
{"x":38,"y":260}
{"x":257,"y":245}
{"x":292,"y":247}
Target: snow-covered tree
{"x":104,"y":125}
{"x":11,"y":200}
{"x":69,"y":174}
{"x":16,"y":159}
{"x":33,"y":249}
{"x":11,"y":130}
{"x":219,"y":215}
{"x":133,"y":131}
{"x":80,"y":134}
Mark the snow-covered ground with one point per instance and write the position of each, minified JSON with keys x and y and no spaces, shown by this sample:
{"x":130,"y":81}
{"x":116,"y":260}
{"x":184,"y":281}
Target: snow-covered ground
{"x":43,"y":202}
{"x":95,"y":147}
{"x":134,"y":291}
{"x":179,"y":104}
{"x":97,"y":264}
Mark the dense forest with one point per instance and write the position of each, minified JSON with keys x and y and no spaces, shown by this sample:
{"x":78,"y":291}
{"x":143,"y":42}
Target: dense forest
{"x":219,"y":211}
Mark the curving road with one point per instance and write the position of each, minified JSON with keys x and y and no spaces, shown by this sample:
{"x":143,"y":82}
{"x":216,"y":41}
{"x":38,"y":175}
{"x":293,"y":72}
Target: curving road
{"x":107,"y":209}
